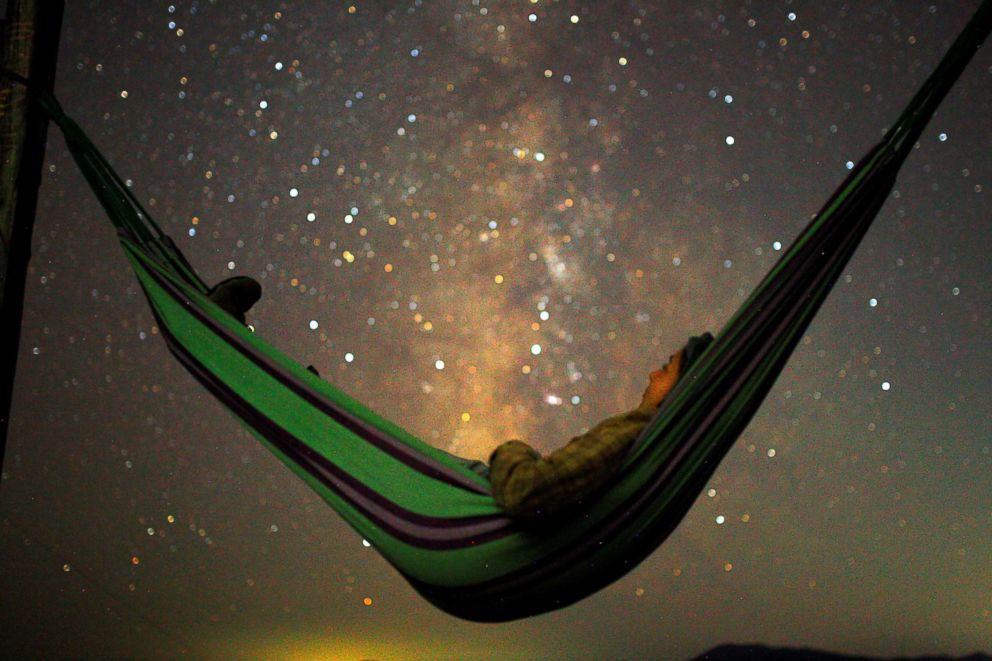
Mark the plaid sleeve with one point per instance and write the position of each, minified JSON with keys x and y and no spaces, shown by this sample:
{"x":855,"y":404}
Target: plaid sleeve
{"x":526,"y":484}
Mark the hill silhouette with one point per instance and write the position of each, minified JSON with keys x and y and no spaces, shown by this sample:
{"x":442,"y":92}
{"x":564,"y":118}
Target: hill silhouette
{"x":764,"y":653}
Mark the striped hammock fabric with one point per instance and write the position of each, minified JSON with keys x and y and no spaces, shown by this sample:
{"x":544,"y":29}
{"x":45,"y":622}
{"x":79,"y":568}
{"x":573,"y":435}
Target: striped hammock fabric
{"x":434,"y":519}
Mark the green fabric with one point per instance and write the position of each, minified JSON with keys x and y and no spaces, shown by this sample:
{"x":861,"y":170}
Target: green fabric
{"x":427,"y":513}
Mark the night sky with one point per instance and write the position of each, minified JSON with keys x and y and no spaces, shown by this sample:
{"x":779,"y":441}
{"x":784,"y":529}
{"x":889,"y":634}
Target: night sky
{"x":491,"y":220}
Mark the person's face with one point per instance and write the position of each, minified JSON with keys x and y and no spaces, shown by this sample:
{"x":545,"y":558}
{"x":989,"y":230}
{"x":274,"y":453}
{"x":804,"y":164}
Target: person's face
{"x":666,"y":370}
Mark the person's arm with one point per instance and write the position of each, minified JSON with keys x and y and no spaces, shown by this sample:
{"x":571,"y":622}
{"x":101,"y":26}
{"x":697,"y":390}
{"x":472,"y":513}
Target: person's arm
{"x":526,"y":484}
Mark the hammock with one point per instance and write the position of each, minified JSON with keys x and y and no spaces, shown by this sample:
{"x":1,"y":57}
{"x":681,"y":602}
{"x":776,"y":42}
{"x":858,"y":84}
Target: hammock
{"x":430,"y":516}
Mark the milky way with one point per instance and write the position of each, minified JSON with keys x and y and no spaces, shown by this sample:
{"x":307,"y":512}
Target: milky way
{"x":491,"y":220}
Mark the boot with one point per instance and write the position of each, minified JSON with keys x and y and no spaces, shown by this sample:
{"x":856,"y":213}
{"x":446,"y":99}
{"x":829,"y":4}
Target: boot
{"x":236,"y":295}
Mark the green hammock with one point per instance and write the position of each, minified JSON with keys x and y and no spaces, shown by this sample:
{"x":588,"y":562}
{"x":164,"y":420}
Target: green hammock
{"x":430,"y":516}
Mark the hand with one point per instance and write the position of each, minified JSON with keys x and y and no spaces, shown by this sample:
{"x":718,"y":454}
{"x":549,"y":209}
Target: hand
{"x":663,"y":380}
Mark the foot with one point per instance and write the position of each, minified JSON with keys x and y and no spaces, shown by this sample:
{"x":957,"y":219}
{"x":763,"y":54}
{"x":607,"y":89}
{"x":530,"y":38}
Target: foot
{"x":236,"y":295}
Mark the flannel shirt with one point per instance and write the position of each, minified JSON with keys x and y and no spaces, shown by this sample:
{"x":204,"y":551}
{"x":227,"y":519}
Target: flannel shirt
{"x":526,"y":484}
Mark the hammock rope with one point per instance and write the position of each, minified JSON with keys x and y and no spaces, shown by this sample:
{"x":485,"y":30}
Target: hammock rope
{"x":430,"y":516}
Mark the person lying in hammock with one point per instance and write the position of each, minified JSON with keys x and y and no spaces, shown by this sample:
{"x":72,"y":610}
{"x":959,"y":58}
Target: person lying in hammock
{"x":525,"y":484}
{"x":529,"y":486}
